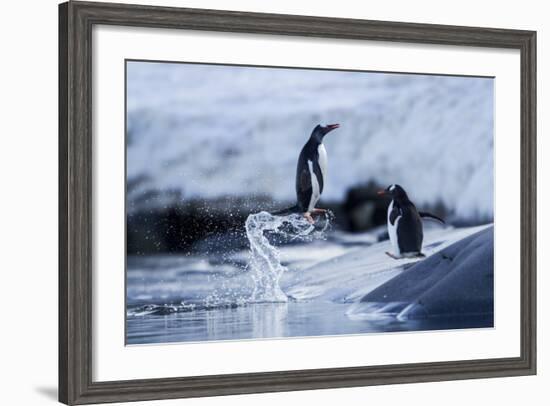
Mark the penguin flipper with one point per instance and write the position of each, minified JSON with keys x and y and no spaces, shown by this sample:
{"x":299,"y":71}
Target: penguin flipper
{"x":305,"y":180}
{"x":394,"y":213}
{"x":427,"y":215}
{"x":304,"y":189}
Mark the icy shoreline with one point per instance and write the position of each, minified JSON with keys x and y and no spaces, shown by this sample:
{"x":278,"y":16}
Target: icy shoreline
{"x":332,"y":270}
{"x":179,"y":299}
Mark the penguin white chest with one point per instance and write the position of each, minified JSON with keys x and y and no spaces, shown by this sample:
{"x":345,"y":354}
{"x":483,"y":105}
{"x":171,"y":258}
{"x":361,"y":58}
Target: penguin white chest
{"x":322,"y":152}
{"x":392,"y":230}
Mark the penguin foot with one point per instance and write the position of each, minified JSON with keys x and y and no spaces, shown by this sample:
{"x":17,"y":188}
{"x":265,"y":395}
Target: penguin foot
{"x":389,"y":254}
{"x":308,"y":217}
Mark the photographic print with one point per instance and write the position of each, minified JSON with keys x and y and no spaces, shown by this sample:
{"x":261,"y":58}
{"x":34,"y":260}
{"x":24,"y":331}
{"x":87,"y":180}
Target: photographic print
{"x":271,"y":202}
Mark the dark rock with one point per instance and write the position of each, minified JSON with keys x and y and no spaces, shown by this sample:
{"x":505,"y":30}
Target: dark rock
{"x":364,"y":208}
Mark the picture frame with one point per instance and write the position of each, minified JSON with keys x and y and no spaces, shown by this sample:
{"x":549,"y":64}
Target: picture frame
{"x":76,"y":256}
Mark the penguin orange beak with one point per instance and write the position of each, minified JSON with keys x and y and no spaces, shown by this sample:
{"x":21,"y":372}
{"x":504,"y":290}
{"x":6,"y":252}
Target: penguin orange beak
{"x":333,"y":126}
{"x":381,"y":193}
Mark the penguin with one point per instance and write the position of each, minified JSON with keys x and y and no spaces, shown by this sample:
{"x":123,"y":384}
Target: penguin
{"x":405,"y":224}
{"x":311,"y":174}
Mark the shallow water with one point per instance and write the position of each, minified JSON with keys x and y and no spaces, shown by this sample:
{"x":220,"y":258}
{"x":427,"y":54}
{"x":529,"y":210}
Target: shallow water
{"x":273,"y":320}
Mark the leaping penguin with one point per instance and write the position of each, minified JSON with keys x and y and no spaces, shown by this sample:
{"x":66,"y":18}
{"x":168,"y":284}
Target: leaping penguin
{"x":405,"y":224}
{"x":311,"y":174}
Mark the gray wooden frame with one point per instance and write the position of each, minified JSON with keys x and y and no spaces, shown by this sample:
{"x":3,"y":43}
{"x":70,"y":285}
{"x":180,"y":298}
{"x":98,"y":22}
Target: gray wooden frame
{"x":76,"y":20}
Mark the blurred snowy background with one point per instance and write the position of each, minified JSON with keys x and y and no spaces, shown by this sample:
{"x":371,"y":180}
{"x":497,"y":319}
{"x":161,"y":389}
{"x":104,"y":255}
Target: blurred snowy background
{"x":207,"y":145}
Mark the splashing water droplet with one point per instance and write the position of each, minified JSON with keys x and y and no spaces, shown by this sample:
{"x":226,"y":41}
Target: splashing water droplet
{"x":265,"y":264}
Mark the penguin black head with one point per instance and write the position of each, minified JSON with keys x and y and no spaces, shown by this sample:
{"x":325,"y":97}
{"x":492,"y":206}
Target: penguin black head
{"x":395,"y":191}
{"x":320,"y":131}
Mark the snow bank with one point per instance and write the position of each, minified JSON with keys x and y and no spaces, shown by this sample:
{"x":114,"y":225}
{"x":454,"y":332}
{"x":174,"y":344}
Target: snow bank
{"x":211,"y":131}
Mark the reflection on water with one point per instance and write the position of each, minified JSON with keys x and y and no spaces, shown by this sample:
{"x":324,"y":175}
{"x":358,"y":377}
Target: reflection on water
{"x":272,"y":320}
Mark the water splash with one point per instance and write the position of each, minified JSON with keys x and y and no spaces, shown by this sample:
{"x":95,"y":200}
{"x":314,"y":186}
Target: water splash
{"x":229,"y":288}
{"x":265,"y":263}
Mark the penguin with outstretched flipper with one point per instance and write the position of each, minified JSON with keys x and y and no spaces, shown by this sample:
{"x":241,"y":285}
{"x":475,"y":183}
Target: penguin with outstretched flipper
{"x":405,"y":224}
{"x":311,"y":174}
